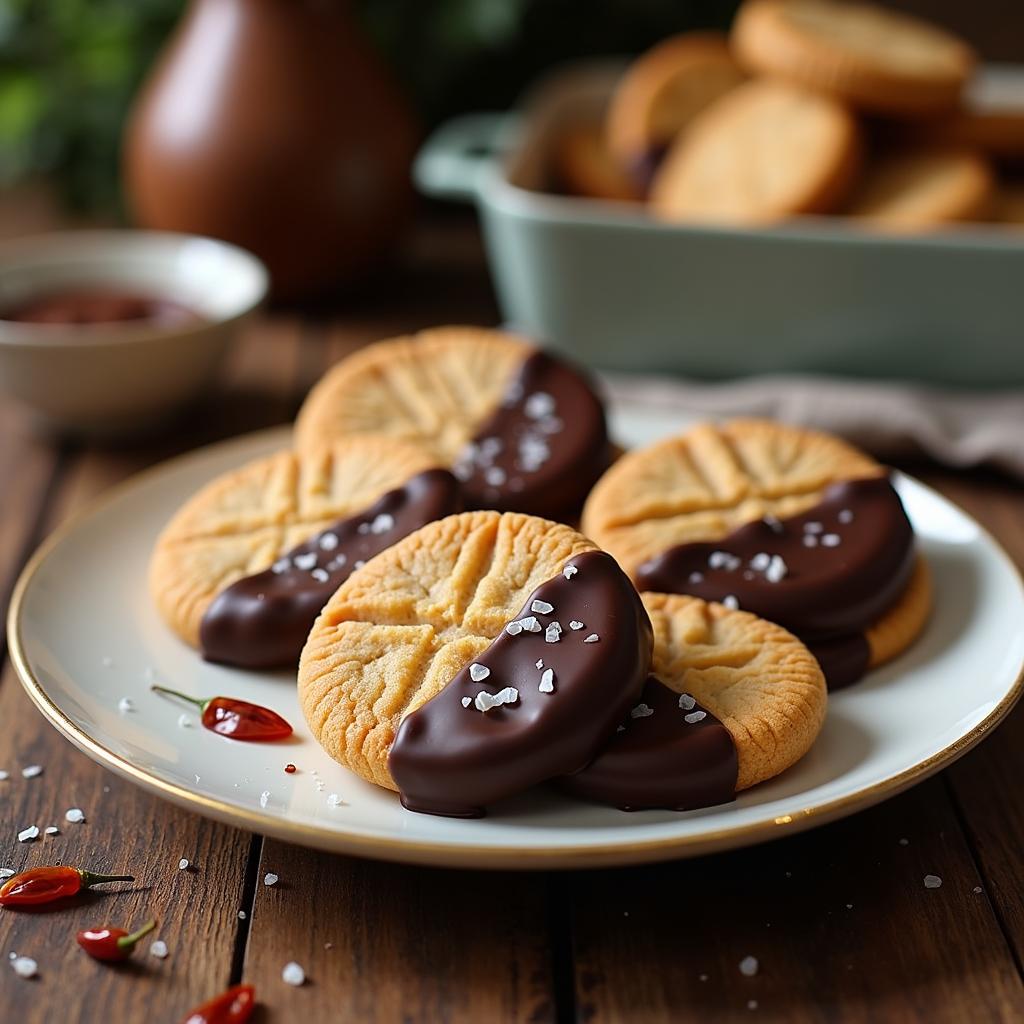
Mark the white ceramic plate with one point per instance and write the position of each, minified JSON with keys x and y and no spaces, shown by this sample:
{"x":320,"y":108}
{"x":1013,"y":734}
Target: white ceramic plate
{"x":84,"y":634}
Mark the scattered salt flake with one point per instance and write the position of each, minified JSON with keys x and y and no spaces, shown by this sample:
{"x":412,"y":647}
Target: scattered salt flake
{"x":514,"y":628}
{"x":334,"y":800}
{"x":281,"y":565}
{"x":184,"y":864}
{"x":242,"y":915}
{"x":75,"y":815}
{"x":932,"y":881}
{"x":547,"y":681}
{"x":478,"y":673}
{"x":495,"y":476}
{"x":749,"y":966}
{"x":777,"y":569}
{"x":264,"y":798}
{"x":773,"y":523}
{"x":621,"y":728}
{"x":641,"y":711}
{"x":849,"y":906}
{"x":569,"y":571}
{"x":845,"y":516}
{"x":25,"y":967}
{"x":553,"y":633}
{"x":760,"y":561}
{"x":592,"y":639}
{"x":830,"y":540}
{"x":125,"y":705}
{"x":305,"y":561}
{"x":575,"y":624}
{"x":328,"y":541}
{"x":731,"y":601}
{"x":32,"y":771}
{"x":724,"y":560}
{"x":52,"y":830}
{"x":382,"y":523}
{"x":977,"y":888}
{"x":466,"y":701}
{"x":270,"y":878}
{"x":328,"y":945}
{"x":530,"y":624}
{"x":540,"y":663}
{"x":26,"y":835}
{"x":320,"y":575}
{"x":686,"y":702}
{"x":293,"y":974}
{"x":485,"y":701}
{"x":695,"y":716}
{"x":184,"y":721}
{"x":810,"y":541}
{"x":813,"y":527}
{"x":542,"y":607}
{"x":158,"y":949}
{"x":538,"y":405}
{"x":696,"y":577}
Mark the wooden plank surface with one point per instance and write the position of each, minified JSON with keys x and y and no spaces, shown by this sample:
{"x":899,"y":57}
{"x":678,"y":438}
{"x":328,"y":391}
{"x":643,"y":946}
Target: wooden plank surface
{"x":413,"y":944}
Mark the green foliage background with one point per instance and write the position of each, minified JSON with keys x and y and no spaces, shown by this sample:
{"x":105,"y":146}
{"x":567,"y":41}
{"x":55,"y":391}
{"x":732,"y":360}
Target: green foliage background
{"x":69,"y":68}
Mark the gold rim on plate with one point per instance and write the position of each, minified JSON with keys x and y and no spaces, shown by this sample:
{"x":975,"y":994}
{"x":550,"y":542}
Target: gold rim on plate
{"x":460,"y":854}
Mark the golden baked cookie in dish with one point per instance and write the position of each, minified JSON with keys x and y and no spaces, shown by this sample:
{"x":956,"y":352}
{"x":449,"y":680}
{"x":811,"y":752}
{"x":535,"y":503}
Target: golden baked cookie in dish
{"x":876,"y":59}
{"x":482,"y":655}
{"x":732,"y":701}
{"x":244,"y":567}
{"x":924,"y":188}
{"x":661,"y":93}
{"x":521,"y":428}
{"x":764,"y":151}
{"x":793,"y":525}
{"x":585,"y":167}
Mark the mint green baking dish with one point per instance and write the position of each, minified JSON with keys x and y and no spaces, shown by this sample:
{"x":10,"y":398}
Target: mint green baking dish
{"x":616,"y":289}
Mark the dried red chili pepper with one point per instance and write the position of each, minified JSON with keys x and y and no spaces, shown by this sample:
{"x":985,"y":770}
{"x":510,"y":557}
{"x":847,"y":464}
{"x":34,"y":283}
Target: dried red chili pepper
{"x":236,"y":719}
{"x":231,"y":1007}
{"x":46,"y":884}
{"x":111,"y":943}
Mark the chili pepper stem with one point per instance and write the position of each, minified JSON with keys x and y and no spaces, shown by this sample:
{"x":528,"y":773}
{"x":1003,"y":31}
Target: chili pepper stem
{"x":128,"y":941}
{"x":90,"y":878}
{"x":201,"y":704}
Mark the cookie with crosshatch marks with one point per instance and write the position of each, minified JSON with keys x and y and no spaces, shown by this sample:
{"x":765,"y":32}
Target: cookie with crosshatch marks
{"x":520,"y":428}
{"x":245,"y":566}
{"x":732,"y":701}
{"x":793,"y":525}
{"x":482,"y":655}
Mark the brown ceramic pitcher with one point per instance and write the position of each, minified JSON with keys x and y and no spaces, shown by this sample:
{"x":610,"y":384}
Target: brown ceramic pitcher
{"x":269,"y":123}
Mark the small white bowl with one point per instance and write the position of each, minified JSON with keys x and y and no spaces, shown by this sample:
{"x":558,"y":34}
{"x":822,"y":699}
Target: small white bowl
{"x":112,"y":378}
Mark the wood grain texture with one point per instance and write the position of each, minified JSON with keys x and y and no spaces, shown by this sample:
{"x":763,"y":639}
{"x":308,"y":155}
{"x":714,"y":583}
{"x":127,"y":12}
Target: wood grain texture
{"x":666,"y":943}
{"x":405,"y":944}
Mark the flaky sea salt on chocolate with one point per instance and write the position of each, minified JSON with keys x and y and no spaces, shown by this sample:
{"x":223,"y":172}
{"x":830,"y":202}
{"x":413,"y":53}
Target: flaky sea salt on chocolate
{"x":641,"y":711}
{"x":478,"y":673}
{"x":569,"y":571}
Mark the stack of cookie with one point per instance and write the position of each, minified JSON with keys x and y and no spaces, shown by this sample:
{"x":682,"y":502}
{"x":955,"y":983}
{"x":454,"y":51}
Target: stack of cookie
{"x":416,"y":557}
{"x":809,"y":107}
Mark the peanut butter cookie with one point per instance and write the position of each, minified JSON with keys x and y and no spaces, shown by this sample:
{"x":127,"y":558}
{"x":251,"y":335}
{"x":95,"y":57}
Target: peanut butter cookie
{"x":243,"y":569}
{"x":790,"y":524}
{"x":481,"y":655}
{"x":520,"y":428}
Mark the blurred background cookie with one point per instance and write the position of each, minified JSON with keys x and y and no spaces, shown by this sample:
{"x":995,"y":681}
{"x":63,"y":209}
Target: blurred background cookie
{"x":874,"y":58}
{"x":585,"y":166}
{"x":661,"y":93}
{"x":922,"y":188}
{"x":764,"y":151}
{"x":521,"y":429}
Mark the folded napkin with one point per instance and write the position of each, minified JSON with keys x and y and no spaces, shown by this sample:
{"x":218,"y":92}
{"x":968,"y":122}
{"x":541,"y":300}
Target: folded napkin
{"x":890,"y":420}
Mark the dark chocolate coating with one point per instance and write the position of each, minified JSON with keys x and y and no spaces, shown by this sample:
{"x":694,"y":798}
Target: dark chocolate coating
{"x":543,"y":448}
{"x":836,"y":585}
{"x":262,"y":621}
{"x":456,"y":760}
{"x":660,"y":759}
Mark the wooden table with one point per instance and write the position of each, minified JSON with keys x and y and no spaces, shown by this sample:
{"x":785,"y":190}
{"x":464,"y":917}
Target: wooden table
{"x":838,"y":918}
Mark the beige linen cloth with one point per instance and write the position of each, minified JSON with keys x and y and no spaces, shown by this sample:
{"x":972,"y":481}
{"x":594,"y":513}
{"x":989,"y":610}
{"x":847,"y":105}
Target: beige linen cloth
{"x":890,"y":420}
